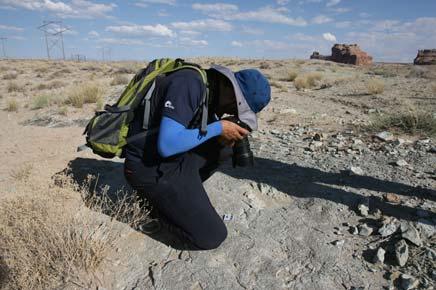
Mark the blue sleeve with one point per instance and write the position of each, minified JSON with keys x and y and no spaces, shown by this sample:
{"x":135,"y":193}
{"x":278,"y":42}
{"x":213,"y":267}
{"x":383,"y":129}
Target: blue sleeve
{"x":174,"y":138}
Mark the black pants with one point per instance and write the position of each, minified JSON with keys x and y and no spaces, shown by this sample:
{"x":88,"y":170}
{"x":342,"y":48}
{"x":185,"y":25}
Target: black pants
{"x":175,"y":188}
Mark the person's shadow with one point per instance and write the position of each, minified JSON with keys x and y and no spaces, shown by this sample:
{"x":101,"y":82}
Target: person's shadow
{"x":292,"y":179}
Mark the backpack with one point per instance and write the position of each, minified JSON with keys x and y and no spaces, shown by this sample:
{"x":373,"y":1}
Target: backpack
{"x":106,"y":133}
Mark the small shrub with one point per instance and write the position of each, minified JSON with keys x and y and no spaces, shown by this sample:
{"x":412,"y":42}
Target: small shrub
{"x":84,"y":95}
{"x":119,"y":79}
{"x":41,"y":101}
{"x":14,"y":87}
{"x":409,"y":121}
{"x":41,"y":69}
{"x":265,"y":65}
{"x":375,"y":86}
{"x":384,"y":72}
{"x":12,"y":106}
{"x":279,"y":85}
{"x":307,"y":81}
{"x":50,"y":86}
{"x":10,"y":76}
{"x":23,"y":173}
{"x":99,"y":104}
{"x":290,"y":76}
{"x":63,"y":111}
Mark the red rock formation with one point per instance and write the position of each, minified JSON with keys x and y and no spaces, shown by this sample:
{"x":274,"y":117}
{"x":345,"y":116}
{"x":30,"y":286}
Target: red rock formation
{"x":344,"y":53}
{"x":350,"y":54}
{"x":425,"y":57}
{"x":316,"y":55}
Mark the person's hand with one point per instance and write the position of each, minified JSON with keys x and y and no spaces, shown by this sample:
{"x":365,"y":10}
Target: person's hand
{"x":231,"y":133}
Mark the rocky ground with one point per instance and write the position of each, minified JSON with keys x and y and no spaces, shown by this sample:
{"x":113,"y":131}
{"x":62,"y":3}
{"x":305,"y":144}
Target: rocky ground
{"x":332,"y":203}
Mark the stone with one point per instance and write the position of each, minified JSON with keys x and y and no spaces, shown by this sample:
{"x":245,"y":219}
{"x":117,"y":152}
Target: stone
{"x":425,"y":57}
{"x":392,"y":197}
{"x":355,"y":170}
{"x":365,"y":230}
{"x":385,"y":136}
{"x":380,"y":256}
{"x":339,"y":243}
{"x":430,"y":253}
{"x":408,"y":282}
{"x":401,"y":162}
{"x":388,"y":229}
{"x":363,"y":209}
{"x":428,"y":229}
{"x":410,"y":233}
{"x":350,"y":54}
{"x":401,"y":252}
{"x":353,"y":230}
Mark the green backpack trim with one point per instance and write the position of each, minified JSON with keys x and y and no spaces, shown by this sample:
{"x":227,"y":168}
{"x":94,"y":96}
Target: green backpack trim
{"x":106,"y":133}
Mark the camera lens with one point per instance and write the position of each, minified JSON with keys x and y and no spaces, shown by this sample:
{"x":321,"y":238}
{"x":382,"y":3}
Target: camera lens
{"x":242,"y":154}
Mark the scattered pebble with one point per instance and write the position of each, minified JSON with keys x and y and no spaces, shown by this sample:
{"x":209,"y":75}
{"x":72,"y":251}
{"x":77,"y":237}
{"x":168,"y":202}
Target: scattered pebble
{"x":380,"y":256}
{"x":408,"y":282}
{"x":410,"y":233}
{"x":401,"y":163}
{"x":401,"y":252}
{"x":365,"y":230}
{"x":388,"y":229}
{"x":363,"y":209}
{"x":354,"y":170}
{"x":392,"y":198}
{"x":385,"y":136}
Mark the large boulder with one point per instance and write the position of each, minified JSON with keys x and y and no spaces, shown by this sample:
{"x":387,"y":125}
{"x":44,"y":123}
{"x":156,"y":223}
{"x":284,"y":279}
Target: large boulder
{"x":425,"y":57}
{"x":350,"y":54}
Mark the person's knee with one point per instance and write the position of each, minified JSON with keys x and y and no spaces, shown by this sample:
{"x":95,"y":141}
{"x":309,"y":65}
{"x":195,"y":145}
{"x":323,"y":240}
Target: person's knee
{"x":212,"y":238}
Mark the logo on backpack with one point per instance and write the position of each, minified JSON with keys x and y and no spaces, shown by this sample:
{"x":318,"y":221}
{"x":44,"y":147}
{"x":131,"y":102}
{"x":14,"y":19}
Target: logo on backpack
{"x":169,"y":105}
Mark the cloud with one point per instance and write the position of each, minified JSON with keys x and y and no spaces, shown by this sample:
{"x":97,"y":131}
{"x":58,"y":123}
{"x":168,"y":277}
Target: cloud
{"x":266,"y":14}
{"x":331,"y":3}
{"x":329,"y":37}
{"x":215,"y":8}
{"x":282,"y":2}
{"x":236,"y":43}
{"x":147,"y":3}
{"x":93,"y":33}
{"x":203,"y":25}
{"x":252,"y":30}
{"x":157,"y":30}
{"x":187,"y":41}
{"x":12,"y":28}
{"x":121,"y":41}
{"x":75,"y":9}
{"x":393,"y":40}
{"x":321,"y":19}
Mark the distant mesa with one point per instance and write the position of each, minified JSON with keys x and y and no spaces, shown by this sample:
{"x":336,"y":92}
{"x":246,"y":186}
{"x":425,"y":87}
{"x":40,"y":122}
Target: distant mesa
{"x":345,"y":53}
{"x":425,"y":57}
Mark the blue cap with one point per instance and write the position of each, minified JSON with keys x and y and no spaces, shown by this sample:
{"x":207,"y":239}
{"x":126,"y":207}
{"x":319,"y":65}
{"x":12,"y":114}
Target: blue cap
{"x":255,"y":88}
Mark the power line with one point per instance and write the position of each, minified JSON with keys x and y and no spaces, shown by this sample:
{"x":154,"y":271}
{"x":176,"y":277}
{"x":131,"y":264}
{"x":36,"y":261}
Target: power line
{"x":3,"y":39}
{"x":53,"y":34}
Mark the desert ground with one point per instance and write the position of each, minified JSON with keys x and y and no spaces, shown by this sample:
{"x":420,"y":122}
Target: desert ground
{"x":342,"y":196}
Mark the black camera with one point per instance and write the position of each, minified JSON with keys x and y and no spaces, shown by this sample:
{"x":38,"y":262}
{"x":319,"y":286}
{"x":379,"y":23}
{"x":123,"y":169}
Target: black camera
{"x":242,"y":154}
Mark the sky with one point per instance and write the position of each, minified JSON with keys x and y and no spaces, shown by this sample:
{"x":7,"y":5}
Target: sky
{"x":389,"y":30}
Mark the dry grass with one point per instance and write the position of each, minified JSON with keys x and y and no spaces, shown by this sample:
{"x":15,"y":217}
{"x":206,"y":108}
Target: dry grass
{"x":119,"y":79}
{"x":14,"y":87}
{"x":52,"y":240}
{"x":307,"y":81}
{"x":50,"y":86}
{"x":42,"y":69}
{"x":375,"y":86}
{"x":41,"y":101}
{"x":12,"y":106}
{"x":10,"y":76}
{"x":280,"y":86}
{"x":409,"y":121}
{"x":433,"y":88}
{"x":63,"y":111}
{"x":23,"y":173}
{"x":289,"y":76}
{"x":83,"y":95}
